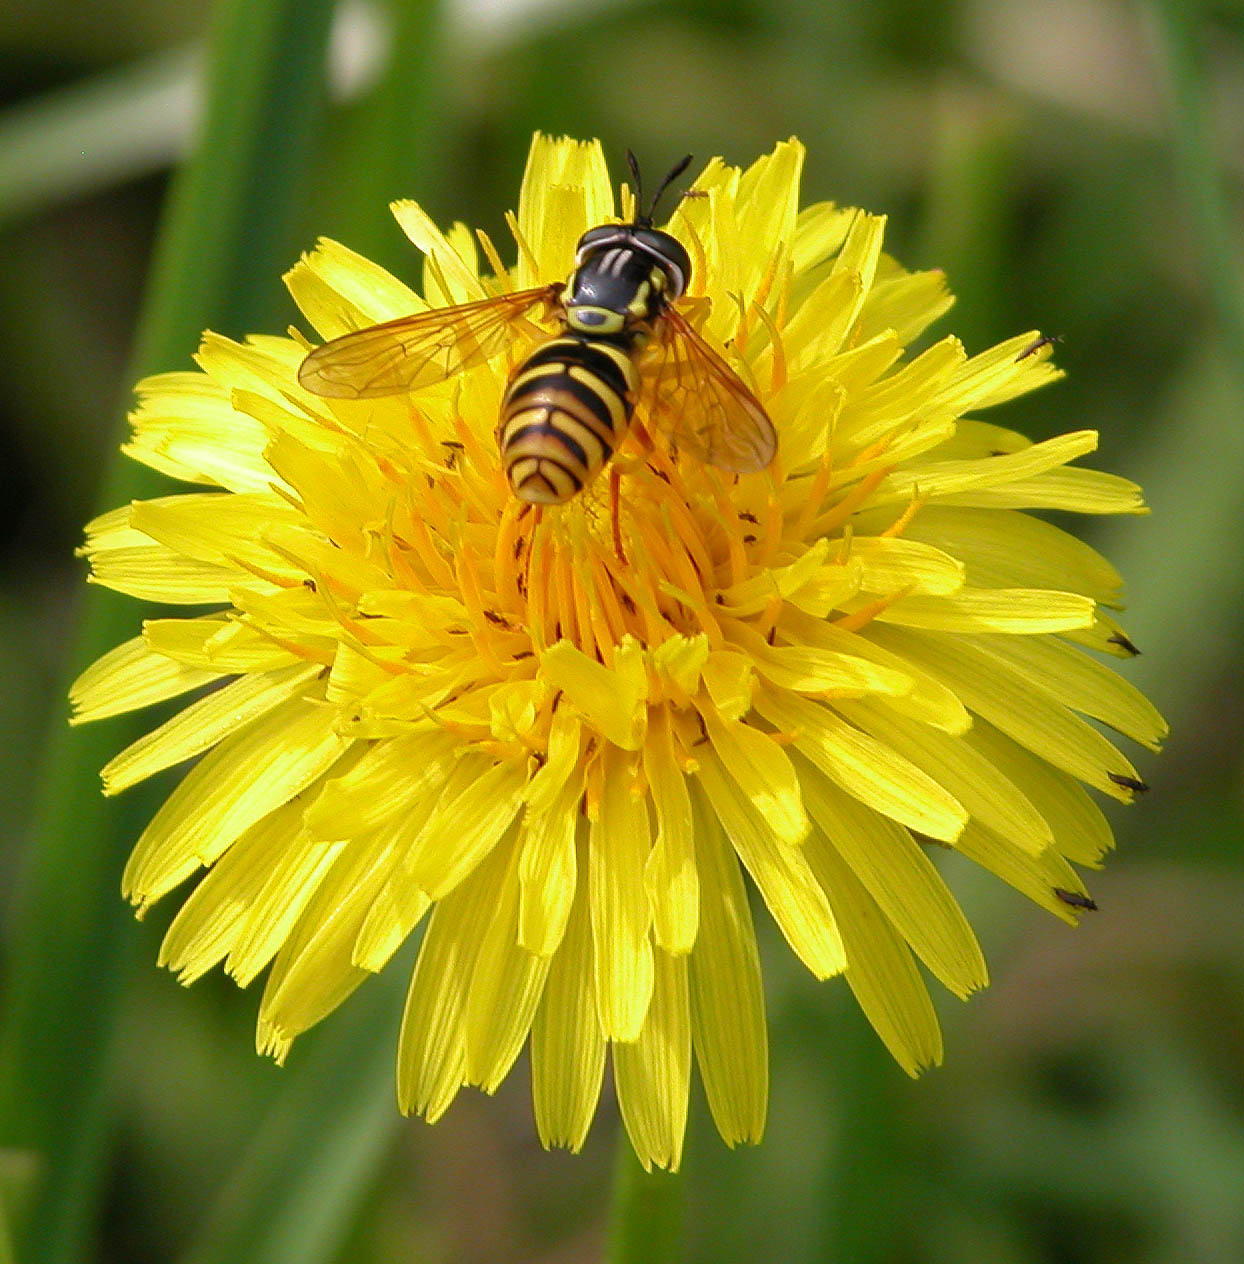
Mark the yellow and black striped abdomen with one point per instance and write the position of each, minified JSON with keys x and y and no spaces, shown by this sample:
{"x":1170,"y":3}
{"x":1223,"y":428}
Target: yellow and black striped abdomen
{"x":567,"y":408}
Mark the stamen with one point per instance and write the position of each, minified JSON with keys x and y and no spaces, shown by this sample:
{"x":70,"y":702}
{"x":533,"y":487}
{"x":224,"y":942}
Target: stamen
{"x":499,"y":270}
{"x":852,"y":501}
{"x":611,"y":610}
{"x":901,"y":523}
{"x":563,"y":593}
{"x":766,"y":281}
{"x":766,"y":622}
{"x":656,"y":627}
{"x":777,"y":377}
{"x":529,"y":258}
{"x":866,"y":614}
{"x":815,"y":497}
{"x":438,"y":569}
{"x":783,"y":305}
{"x":477,"y":613}
{"x":483,"y":462}
{"x":724,"y":514}
{"x":773,"y":527}
{"x":504,"y":565}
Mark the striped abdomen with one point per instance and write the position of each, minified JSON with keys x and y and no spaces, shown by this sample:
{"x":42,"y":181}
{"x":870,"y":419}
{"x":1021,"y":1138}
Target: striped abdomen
{"x":567,"y":408}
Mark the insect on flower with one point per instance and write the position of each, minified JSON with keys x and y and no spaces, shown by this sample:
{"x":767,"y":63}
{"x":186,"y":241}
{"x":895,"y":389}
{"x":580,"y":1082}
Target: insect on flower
{"x":570,"y":403}
{"x":446,"y":708}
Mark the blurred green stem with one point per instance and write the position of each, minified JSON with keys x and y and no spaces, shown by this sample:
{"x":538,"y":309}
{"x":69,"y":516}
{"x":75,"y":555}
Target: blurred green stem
{"x":863,"y":1173}
{"x":1199,"y":169}
{"x":648,"y":1211}
{"x":401,"y":135}
{"x":965,"y":229}
{"x":228,"y":228}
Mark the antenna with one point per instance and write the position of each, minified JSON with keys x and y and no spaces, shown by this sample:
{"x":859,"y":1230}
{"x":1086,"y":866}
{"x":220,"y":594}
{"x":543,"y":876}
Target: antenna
{"x":633,"y":163}
{"x":644,"y":218}
{"x":675,"y":171}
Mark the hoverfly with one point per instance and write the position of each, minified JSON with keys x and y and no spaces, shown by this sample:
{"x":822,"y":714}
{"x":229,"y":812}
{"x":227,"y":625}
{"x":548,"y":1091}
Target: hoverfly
{"x":569,"y":404}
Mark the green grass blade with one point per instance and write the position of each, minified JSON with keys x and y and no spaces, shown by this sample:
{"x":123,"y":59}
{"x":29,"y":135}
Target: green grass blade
{"x":94,"y":134}
{"x":1199,"y":170}
{"x":292,"y":1195}
{"x":1189,"y":465}
{"x":228,"y":231}
{"x":396,"y":147}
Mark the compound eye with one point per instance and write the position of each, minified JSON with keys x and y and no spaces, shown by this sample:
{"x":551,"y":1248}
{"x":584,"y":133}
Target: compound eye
{"x":596,"y":236}
{"x":672,"y":255}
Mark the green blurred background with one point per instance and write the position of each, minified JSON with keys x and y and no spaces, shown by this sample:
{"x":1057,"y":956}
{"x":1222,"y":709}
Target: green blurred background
{"x":1074,"y":165}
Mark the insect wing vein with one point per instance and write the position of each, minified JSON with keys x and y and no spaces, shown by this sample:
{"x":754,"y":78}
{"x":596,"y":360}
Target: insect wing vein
{"x":703,"y":405}
{"x":418,"y":350}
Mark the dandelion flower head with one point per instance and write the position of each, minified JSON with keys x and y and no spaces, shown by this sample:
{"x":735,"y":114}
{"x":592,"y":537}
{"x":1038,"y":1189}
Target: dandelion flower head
{"x":573,"y":768}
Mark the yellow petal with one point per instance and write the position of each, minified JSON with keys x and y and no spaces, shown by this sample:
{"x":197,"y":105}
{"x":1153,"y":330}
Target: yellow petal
{"x":185,"y":426}
{"x":154,"y":573}
{"x":219,"y":645}
{"x":1073,"y":490}
{"x":455,"y":279}
{"x":397,"y":906}
{"x":820,"y":230}
{"x":864,"y":767}
{"x":969,"y":776}
{"x":1071,"y":677}
{"x":811,"y":669}
{"x":242,"y":780}
{"x":879,"y":409}
{"x":560,"y":760}
{"x":204,"y":723}
{"x":506,"y":985}
{"x":547,"y":872}
{"x":339,"y":291}
{"x":888,"y":565}
{"x":907,"y":303}
{"x":224,"y":529}
{"x":210,"y":922}
{"x":389,"y":777}
{"x":880,"y":969}
{"x":727,"y":999}
{"x":781,"y":874}
{"x":939,"y":479}
{"x":994,"y":692}
{"x":1022,"y":611}
{"x":609,"y":699}
{"x":567,"y":1046}
{"x":999,"y":374}
{"x":670,"y":875}
{"x":565,"y":191}
{"x":653,"y":1073}
{"x":618,"y":845}
{"x":432,"y":1052}
{"x":730,"y":678}
{"x":925,"y":699}
{"x":1038,"y":877}
{"x":129,"y":677}
{"x":474,"y":811}
{"x":1005,"y":549}
{"x":903,"y":881}
{"x":313,"y":972}
{"x":1081,"y":832}
{"x":761,"y":770}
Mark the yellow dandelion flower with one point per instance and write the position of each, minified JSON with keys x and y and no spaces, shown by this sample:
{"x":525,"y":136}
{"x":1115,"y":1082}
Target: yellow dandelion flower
{"x":556,"y":739}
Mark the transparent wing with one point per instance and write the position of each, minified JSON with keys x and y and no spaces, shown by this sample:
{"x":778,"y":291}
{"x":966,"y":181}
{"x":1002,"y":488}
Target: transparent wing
{"x":420,"y":350}
{"x":702,"y":404}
